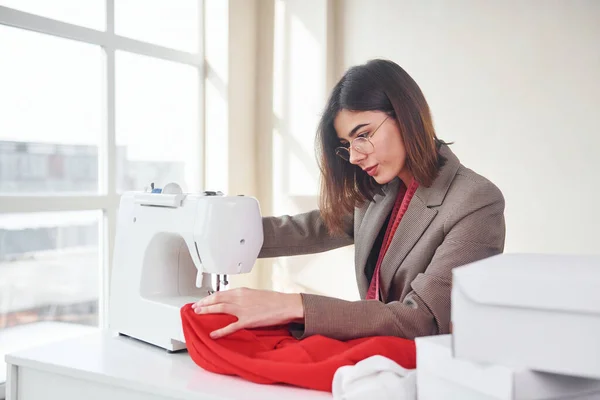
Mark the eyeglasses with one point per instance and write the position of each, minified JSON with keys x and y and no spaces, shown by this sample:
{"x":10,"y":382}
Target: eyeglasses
{"x":362,"y":144}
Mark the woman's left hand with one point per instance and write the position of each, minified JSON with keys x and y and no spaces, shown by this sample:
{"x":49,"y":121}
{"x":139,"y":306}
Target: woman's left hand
{"x":253,"y":308}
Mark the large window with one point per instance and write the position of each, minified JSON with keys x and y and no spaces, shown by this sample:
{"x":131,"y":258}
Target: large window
{"x":97,"y":97}
{"x":48,"y":267}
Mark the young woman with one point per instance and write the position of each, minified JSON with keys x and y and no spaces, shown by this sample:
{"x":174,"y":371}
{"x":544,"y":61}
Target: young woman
{"x":399,"y":194}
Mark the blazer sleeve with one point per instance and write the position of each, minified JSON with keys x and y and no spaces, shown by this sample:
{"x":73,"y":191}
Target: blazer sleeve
{"x":475,"y":231}
{"x":301,"y":234}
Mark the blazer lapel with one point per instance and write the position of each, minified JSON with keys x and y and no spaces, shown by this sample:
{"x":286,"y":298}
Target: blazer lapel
{"x":373,"y":220}
{"x":417,"y":218}
{"x":421,"y":211}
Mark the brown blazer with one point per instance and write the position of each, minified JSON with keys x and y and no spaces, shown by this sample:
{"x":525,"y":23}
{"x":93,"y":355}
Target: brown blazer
{"x":457,"y":220}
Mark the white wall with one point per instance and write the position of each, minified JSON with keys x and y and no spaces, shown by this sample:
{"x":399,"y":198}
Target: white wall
{"x":516,"y":86}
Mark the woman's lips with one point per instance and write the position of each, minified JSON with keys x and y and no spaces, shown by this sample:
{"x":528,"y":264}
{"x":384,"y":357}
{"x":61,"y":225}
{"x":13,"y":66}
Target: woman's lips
{"x":371,"y":170}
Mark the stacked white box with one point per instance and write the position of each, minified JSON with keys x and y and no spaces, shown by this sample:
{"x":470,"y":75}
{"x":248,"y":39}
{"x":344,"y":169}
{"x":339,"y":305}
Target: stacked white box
{"x":529,"y":311}
{"x":441,"y":376}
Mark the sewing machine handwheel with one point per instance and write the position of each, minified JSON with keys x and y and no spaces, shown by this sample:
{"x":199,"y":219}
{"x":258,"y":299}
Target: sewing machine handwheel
{"x":172,"y":188}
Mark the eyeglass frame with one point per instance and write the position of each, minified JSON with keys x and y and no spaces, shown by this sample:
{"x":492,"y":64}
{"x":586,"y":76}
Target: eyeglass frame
{"x":368,"y":138}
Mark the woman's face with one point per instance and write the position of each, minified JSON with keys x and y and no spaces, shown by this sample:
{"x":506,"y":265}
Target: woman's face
{"x":388,"y":156}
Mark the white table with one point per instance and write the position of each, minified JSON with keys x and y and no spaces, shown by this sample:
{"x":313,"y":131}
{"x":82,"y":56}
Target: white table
{"x":104,"y":366}
{"x":21,"y":337}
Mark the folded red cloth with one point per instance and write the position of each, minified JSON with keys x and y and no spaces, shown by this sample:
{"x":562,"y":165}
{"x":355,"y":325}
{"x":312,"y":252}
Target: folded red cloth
{"x":273,"y":355}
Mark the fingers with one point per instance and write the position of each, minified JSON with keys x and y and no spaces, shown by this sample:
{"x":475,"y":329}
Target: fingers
{"x":228,"y":296}
{"x":221,"y":308}
{"x":228,"y":330}
{"x":214,"y":298}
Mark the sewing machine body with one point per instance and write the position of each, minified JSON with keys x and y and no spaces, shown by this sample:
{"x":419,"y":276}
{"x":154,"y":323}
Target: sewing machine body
{"x":166,"y":248}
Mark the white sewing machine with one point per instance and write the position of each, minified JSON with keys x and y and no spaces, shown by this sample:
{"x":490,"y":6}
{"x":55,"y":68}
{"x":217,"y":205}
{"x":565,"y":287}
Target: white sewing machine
{"x":173,"y":248}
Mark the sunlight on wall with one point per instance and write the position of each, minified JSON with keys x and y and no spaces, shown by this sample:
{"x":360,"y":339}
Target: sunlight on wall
{"x":306,"y":100}
{"x":216,"y":102}
{"x":299,"y":95}
{"x":298,"y":100}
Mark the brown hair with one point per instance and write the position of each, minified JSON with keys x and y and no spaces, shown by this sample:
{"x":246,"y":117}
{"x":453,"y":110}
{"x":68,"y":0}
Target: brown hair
{"x":378,"y":85}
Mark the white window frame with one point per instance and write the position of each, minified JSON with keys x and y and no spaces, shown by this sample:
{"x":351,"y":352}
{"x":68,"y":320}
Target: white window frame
{"x":107,"y":199}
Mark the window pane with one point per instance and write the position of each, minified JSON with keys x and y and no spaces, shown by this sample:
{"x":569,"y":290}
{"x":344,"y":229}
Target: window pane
{"x":88,"y":13}
{"x":167,"y":23}
{"x":49,"y":267}
{"x":157,"y":130}
{"x":52,"y":106}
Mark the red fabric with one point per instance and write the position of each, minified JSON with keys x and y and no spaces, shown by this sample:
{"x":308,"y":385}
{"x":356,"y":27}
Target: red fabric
{"x":272,"y":355}
{"x":400,"y":206}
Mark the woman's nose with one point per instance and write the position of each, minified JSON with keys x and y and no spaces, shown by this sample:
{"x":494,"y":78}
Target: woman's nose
{"x":355,"y":156}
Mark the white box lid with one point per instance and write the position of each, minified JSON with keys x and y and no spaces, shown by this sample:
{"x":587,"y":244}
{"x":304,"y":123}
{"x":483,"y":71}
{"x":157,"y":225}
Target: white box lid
{"x":569,"y":283}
